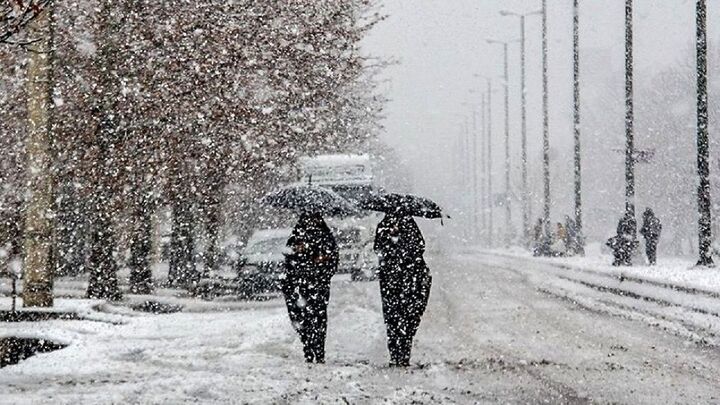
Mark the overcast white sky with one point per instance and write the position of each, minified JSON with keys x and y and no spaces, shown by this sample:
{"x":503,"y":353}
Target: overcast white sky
{"x":440,"y":47}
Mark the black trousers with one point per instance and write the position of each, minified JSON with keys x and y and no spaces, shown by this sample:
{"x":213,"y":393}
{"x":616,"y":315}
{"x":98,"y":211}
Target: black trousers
{"x":651,"y":250}
{"x":405,"y":291}
{"x":307,"y":298}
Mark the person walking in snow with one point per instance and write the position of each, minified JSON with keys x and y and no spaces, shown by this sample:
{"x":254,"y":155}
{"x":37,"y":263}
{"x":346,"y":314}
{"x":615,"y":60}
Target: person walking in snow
{"x":625,"y":242}
{"x":651,"y":229}
{"x":573,"y":242}
{"x":559,"y":246}
{"x":404,"y":282}
{"x":311,"y":263}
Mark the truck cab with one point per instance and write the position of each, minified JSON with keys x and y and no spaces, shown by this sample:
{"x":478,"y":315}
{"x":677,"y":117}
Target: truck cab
{"x":350,"y":176}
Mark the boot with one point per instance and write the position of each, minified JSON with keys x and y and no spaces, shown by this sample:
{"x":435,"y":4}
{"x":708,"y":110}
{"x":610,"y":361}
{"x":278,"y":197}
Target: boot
{"x":394,"y":351}
{"x":405,"y":347}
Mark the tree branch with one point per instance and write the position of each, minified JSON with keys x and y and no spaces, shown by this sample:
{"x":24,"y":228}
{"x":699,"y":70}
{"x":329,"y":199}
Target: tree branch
{"x":14,"y":17}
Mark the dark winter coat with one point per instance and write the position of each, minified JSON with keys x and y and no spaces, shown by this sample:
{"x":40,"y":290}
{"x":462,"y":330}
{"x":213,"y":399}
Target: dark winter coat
{"x":627,"y":226}
{"x":651,"y":227}
{"x":624,"y":244}
{"x":398,"y":241}
{"x":313,"y":248}
{"x":405,"y":282}
{"x":306,"y":287}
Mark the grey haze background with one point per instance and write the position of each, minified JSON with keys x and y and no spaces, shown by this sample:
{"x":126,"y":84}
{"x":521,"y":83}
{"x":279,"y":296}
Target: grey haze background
{"x":440,"y":46}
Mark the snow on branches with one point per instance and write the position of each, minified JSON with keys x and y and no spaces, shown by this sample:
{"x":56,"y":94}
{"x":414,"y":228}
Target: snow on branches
{"x":15,"y":15}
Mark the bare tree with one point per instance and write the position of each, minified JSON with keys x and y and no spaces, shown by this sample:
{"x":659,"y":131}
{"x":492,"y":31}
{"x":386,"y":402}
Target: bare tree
{"x":17,"y":15}
{"x":39,"y":229}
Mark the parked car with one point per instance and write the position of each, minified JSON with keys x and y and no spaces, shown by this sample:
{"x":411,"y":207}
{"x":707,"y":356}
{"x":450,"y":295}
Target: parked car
{"x":261,"y":263}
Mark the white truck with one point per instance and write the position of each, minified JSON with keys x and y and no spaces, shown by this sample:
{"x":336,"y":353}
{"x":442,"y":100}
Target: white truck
{"x":350,"y":176}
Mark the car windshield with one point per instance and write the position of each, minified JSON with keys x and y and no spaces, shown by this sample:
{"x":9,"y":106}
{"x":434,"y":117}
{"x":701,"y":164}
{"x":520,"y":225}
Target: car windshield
{"x":267,"y":246}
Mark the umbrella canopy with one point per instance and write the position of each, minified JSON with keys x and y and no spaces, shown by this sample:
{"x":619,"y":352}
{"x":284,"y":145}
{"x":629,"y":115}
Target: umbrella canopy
{"x":403,"y":204}
{"x":309,"y":199}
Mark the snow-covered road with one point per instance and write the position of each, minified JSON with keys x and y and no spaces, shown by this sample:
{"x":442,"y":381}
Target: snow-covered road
{"x":492,"y":333}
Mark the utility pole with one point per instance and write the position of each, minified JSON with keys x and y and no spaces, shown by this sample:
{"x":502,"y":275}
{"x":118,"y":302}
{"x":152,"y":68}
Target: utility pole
{"x":489,"y":163}
{"x":506,"y":79}
{"x":523,"y":137}
{"x":546,"y":129}
{"x":576,"y":125}
{"x":523,"y":124}
{"x":39,"y":224}
{"x":483,"y":168}
{"x":468,"y":174}
{"x":474,"y":166}
{"x":629,"y":115}
{"x":703,"y":153}
{"x":461,"y":165}
{"x":508,"y":212}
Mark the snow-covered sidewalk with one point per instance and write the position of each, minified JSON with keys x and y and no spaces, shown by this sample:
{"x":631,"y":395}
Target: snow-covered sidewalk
{"x":246,"y":355}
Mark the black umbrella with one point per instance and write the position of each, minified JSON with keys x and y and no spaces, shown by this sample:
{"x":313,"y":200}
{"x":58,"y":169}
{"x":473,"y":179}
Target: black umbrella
{"x":403,"y":204}
{"x":309,"y":199}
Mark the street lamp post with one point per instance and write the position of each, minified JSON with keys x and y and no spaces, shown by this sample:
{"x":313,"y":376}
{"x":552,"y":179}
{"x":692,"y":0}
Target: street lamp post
{"x":508,"y":211}
{"x":629,"y":116}
{"x":467,"y":159}
{"x":483,"y":171}
{"x":523,"y":122}
{"x":474,"y":174}
{"x":546,"y":129}
{"x":488,"y":159}
{"x":703,"y":153}
{"x":472,"y":167}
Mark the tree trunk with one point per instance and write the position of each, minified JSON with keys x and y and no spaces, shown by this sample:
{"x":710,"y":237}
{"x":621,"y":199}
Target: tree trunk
{"x":103,"y":282}
{"x":70,"y":232}
{"x":141,"y":281}
{"x":38,"y":277}
{"x":213,"y":235}
{"x":182,"y":272}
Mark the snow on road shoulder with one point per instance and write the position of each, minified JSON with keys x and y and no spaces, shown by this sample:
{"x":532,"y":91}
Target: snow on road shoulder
{"x":655,"y":296}
{"x":672,"y":271}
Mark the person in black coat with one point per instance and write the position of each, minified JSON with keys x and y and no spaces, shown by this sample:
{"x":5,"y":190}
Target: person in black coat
{"x":650,"y":230}
{"x":625,"y":242}
{"x":311,"y":263}
{"x":404,"y":282}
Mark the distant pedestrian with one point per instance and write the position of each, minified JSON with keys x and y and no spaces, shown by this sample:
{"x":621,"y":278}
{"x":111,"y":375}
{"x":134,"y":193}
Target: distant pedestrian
{"x":624,"y":243}
{"x":573,"y":242}
{"x":559,"y":246}
{"x":537,"y":241}
{"x":310,"y":265}
{"x":404,"y":282}
{"x":651,"y":230}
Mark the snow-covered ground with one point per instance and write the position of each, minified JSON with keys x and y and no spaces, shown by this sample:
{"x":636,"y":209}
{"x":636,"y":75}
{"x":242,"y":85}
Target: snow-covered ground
{"x":671,"y":271}
{"x":498,"y":329}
